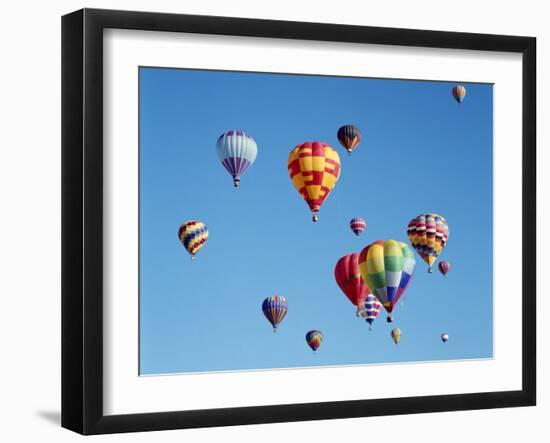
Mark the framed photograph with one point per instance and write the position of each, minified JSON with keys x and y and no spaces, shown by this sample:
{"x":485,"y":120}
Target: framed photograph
{"x":269,"y":221}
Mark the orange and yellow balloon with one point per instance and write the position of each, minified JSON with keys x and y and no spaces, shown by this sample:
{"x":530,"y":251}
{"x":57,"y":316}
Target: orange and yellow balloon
{"x":314,"y":169}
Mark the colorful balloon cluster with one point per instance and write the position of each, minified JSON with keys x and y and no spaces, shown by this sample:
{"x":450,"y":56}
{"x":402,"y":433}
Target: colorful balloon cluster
{"x":373,"y":278}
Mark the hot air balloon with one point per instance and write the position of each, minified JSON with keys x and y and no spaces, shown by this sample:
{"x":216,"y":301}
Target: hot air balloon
{"x":349,"y":137}
{"x":275,"y":308}
{"x":444,"y":337}
{"x":193,"y":234}
{"x":314,"y":339}
{"x":396,"y":335}
{"x":459,"y":92}
{"x":444,"y":267}
{"x":237,"y":151}
{"x":387,"y":268}
{"x":357,"y":225}
{"x":428,"y":234}
{"x":314,"y":169}
{"x":349,"y":280}
{"x":370,"y":309}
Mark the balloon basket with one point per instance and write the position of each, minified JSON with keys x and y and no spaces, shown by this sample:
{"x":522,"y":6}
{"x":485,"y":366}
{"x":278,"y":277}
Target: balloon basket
{"x":236,"y":182}
{"x":389,"y":319}
{"x":430,"y":270}
{"x":315,"y":217}
{"x":192,"y":257}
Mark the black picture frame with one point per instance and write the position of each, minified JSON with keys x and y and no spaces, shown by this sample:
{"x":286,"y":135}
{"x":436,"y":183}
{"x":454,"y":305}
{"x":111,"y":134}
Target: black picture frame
{"x":82,"y":218}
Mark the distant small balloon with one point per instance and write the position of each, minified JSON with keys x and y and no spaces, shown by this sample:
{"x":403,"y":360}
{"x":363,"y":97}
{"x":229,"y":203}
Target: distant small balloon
{"x":314,"y":338}
{"x":396,"y":335}
{"x":459,"y":92}
{"x":444,"y":267}
{"x":275,"y":309}
{"x":357,"y":225}
{"x":444,"y":337}
{"x":349,"y":137}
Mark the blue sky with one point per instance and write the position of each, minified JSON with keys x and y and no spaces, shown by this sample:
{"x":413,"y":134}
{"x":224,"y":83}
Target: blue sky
{"x":421,"y":152}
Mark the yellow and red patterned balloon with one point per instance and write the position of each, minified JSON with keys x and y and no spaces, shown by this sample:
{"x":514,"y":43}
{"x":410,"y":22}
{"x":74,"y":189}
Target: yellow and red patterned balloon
{"x":314,"y":169}
{"x":193,"y":235}
{"x":428,"y":234}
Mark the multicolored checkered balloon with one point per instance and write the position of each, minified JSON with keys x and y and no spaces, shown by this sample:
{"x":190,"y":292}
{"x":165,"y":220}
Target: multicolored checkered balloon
{"x":387,"y":268}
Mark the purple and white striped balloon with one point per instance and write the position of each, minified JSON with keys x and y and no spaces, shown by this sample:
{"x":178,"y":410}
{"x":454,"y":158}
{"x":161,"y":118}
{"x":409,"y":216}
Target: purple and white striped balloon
{"x":236,"y":151}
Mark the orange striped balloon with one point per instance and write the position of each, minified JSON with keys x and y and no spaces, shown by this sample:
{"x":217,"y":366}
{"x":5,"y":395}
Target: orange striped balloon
{"x":314,"y":169}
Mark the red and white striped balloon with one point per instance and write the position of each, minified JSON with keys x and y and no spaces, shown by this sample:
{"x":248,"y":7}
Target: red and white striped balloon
{"x":357,"y":225}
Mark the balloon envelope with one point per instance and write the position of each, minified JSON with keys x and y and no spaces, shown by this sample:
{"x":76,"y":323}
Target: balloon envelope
{"x":357,"y":225}
{"x":314,"y":338}
{"x":396,"y":335}
{"x":349,"y":137}
{"x":370,"y":309}
{"x":444,"y":267}
{"x":275,"y":308}
{"x":349,"y":279}
{"x":193,"y":235}
{"x":459,"y":92}
{"x":387,"y":268}
{"x":428,"y":234}
{"x":314,"y":169}
{"x":236,"y":151}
